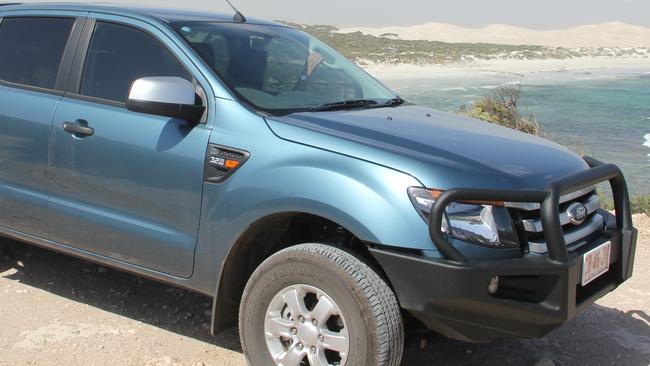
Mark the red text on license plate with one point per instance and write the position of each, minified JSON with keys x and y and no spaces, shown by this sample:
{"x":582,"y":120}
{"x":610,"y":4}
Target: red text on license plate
{"x":596,"y":262}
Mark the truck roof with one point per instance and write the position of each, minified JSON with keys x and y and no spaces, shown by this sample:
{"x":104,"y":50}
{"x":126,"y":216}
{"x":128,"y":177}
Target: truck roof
{"x":168,"y":15}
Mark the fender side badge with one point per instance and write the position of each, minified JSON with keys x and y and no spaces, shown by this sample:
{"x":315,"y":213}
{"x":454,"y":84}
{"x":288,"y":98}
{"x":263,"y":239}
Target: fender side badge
{"x":221,"y":162}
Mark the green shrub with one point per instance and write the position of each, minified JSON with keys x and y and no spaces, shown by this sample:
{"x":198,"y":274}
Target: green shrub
{"x":501,"y":107}
{"x":639,"y":204}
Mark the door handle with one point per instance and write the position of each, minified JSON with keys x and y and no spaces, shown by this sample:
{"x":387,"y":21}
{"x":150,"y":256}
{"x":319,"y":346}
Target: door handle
{"x":78,"y":128}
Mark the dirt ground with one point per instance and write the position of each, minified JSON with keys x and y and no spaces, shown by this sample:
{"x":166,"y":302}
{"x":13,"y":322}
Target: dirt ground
{"x":57,"y":310}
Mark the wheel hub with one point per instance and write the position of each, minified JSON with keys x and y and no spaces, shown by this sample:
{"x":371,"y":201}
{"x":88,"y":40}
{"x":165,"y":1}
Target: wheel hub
{"x":308,"y":334}
{"x":304,"y":324}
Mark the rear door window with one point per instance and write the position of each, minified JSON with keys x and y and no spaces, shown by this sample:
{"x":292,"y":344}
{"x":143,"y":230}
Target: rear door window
{"x":31,"y":49}
{"x":118,"y":55}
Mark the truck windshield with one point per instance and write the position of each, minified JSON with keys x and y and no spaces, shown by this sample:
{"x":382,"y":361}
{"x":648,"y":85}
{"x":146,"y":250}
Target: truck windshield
{"x":281,"y":70}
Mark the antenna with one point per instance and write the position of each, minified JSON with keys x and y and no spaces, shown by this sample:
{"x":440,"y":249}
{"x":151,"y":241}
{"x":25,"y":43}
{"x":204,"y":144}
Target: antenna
{"x":239,"y":17}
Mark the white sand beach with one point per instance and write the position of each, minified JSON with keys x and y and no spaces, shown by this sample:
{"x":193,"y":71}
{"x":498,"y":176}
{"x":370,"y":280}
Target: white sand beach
{"x":508,"y":66}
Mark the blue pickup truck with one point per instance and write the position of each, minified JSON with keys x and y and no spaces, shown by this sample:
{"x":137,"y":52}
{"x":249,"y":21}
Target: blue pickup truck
{"x":249,"y":161}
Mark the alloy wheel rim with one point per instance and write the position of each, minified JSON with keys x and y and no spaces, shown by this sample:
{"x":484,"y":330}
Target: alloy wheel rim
{"x":304,"y":326}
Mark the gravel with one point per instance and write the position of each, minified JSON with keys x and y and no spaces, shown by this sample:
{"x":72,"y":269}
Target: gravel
{"x":58,"y":310}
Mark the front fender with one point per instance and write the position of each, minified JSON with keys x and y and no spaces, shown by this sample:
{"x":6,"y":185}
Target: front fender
{"x":368,"y":200}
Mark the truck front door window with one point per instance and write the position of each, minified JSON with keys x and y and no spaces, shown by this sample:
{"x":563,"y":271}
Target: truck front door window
{"x":118,"y":55}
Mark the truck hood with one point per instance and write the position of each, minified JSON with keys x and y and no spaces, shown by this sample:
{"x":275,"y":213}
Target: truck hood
{"x":441,"y":150}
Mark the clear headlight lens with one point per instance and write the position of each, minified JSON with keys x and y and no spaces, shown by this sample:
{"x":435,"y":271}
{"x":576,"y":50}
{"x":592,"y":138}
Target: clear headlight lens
{"x":488,"y":225}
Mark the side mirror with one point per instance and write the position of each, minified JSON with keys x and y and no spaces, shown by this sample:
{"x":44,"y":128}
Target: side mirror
{"x":168,"y":96}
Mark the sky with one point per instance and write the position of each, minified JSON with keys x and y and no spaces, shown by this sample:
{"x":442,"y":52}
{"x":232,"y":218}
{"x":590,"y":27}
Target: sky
{"x":537,"y":14}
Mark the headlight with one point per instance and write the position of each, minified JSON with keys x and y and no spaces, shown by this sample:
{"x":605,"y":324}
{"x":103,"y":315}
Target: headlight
{"x":488,"y":225}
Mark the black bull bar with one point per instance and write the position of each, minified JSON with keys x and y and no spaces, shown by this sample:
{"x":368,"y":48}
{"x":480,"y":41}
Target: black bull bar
{"x":549,"y":199}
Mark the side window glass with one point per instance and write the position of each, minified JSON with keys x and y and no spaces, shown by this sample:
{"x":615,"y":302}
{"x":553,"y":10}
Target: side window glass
{"x":31,"y":49}
{"x":118,"y":55}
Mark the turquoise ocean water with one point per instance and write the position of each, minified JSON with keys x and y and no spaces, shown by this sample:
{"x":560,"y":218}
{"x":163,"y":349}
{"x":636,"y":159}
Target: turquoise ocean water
{"x":603,"y":113}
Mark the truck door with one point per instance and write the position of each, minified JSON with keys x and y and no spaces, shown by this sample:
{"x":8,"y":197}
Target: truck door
{"x":34,"y":49}
{"x":129,"y":185}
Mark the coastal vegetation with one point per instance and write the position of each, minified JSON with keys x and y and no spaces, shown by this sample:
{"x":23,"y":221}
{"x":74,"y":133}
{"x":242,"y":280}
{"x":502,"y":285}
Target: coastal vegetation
{"x":388,"y":48}
{"x":501,"y":106}
{"x":639,"y":204}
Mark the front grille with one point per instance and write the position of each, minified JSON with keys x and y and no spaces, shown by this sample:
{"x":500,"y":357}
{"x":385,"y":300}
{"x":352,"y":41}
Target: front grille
{"x":531,"y":227}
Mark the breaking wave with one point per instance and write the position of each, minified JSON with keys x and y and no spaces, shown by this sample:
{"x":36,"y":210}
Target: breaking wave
{"x":491,"y":87}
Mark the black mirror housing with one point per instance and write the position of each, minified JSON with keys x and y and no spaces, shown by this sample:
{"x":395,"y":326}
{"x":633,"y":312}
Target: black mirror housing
{"x":188,"y":112}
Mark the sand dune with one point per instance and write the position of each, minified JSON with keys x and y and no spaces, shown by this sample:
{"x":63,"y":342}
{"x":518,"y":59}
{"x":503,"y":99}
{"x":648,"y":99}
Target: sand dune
{"x":613,"y":34}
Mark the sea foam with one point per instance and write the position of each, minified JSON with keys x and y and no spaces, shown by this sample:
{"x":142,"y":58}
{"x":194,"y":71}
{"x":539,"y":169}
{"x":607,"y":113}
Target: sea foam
{"x":647,"y":140}
{"x":509,"y":83}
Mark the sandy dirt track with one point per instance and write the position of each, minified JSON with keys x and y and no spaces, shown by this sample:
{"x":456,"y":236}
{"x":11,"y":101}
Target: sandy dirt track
{"x":57,"y":310}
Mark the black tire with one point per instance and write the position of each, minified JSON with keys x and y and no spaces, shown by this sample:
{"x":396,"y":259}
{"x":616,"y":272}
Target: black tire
{"x":368,"y":305}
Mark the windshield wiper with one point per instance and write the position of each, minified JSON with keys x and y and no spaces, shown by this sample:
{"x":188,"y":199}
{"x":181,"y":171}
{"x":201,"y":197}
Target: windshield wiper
{"x":346,"y":104}
{"x":390,"y":103}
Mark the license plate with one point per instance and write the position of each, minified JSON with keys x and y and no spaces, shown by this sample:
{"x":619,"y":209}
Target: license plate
{"x":596,"y":262}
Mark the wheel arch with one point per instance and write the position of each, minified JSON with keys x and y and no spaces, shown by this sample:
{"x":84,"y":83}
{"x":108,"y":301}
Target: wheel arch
{"x":275,"y":232}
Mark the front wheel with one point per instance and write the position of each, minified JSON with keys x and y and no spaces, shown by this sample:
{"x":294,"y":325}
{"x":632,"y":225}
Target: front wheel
{"x":315,"y":304}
